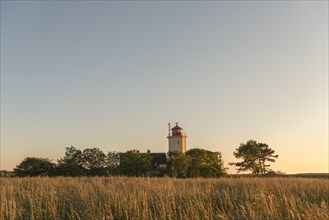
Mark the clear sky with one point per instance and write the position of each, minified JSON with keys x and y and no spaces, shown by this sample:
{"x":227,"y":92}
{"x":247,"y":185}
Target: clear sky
{"x":112,"y":74}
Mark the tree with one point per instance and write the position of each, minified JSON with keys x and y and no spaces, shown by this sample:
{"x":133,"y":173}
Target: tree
{"x":132,"y":163}
{"x":205,"y":163}
{"x":72,"y":163}
{"x":32,"y":166}
{"x":6,"y":173}
{"x":112,"y":162}
{"x":93,"y":160}
{"x":178,"y":164}
{"x":254,"y":155}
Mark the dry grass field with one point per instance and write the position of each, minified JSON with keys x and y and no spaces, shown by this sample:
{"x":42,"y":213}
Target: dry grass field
{"x":164,"y":198}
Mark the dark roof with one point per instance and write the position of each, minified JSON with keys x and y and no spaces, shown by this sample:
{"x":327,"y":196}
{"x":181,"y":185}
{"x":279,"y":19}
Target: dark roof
{"x":158,"y":158}
{"x":177,"y":127}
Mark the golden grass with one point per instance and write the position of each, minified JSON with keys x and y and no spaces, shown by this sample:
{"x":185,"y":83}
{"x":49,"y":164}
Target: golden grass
{"x":163,"y":198}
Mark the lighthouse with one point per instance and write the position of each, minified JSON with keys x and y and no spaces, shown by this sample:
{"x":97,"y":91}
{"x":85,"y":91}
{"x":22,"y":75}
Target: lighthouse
{"x":176,"y":139}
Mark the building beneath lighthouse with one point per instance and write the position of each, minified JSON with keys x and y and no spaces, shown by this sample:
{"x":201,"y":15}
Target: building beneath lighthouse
{"x":176,"y":139}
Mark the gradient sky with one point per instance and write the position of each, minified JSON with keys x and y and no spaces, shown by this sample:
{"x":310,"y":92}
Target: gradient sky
{"x":112,"y":74}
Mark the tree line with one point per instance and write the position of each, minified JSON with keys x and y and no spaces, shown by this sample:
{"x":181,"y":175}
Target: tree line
{"x":194,"y":163}
{"x":94,"y":162}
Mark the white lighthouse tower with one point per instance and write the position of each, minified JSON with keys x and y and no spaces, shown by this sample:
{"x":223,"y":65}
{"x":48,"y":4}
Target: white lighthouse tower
{"x":176,"y":139}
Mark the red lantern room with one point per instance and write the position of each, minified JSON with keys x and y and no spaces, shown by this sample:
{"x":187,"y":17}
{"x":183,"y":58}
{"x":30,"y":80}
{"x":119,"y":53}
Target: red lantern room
{"x":177,"y":131}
